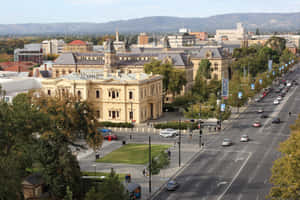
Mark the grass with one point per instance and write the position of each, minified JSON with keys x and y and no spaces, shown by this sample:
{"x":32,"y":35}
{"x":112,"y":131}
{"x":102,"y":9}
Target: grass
{"x":84,"y":173}
{"x":133,"y":154}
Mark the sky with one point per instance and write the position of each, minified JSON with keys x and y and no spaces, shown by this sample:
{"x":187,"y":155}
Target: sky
{"x":50,"y":11}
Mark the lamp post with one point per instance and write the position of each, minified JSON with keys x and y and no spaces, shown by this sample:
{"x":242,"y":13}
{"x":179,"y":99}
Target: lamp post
{"x":200,"y":127}
{"x":179,"y":144}
{"x":131,"y":119}
{"x":150,"y":161}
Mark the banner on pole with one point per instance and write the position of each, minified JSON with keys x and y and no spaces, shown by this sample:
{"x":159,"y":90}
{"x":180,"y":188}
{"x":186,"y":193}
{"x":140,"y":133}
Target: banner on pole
{"x":222,"y":107}
{"x":225,"y":88}
{"x":260,"y":81}
{"x":240,"y":95}
{"x":252,"y":86}
{"x":270,"y":65}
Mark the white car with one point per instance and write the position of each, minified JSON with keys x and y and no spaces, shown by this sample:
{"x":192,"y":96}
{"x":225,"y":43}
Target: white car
{"x":226,"y":142}
{"x":169,"y":132}
{"x":276,"y":102}
{"x":244,"y":138}
{"x":289,"y":84}
{"x":279,"y":98}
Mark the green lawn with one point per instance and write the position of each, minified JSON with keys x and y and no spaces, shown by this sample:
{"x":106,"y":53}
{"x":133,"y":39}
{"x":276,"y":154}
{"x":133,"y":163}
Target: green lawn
{"x":133,"y":154}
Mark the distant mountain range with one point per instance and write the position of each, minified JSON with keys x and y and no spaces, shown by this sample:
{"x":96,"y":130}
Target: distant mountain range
{"x":267,"y":22}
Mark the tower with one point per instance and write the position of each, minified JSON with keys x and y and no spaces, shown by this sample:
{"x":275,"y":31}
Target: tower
{"x":109,"y":56}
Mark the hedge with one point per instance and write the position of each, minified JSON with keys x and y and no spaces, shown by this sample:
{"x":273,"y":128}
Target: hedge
{"x":177,"y":125}
{"x":112,"y":124}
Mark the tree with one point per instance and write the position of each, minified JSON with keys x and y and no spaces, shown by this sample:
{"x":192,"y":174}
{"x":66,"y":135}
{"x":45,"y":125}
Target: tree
{"x":276,"y":43}
{"x":257,"y":32}
{"x":285,"y":171}
{"x":111,"y":189}
{"x":177,"y":81}
{"x":286,"y":56}
{"x":204,"y":69}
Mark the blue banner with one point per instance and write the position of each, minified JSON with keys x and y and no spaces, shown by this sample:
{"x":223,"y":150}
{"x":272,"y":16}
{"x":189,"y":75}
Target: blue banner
{"x":260,"y":81}
{"x":274,"y":73}
{"x":225,"y":87}
{"x":222,"y":107}
{"x":270,"y":65}
{"x":286,"y":65}
{"x":240,"y":95}
{"x":252,"y":86}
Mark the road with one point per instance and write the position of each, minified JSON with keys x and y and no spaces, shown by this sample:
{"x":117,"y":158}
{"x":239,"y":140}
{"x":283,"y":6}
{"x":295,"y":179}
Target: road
{"x":241,"y":171}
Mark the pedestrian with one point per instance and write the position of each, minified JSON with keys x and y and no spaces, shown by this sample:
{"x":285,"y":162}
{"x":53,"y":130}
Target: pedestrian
{"x":169,"y":154}
{"x":144,"y":172}
{"x":290,"y":113}
{"x":130,"y":136}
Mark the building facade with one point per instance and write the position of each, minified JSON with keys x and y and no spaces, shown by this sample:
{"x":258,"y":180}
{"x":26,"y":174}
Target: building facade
{"x":231,"y":34}
{"x":203,"y":36}
{"x":53,"y":47}
{"x":143,"y":39}
{"x":78,"y":46}
{"x":115,"y":97}
{"x":30,"y":53}
{"x":181,"y":40}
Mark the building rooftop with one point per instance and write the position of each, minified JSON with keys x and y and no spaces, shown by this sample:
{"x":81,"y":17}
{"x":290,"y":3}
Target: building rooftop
{"x":77,"y":42}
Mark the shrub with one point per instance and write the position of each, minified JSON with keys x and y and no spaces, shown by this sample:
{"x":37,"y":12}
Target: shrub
{"x":177,"y":125}
{"x":112,"y":124}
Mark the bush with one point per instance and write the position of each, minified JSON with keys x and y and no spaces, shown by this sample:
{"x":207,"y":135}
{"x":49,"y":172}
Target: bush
{"x":177,"y":125}
{"x":112,"y":124}
{"x":159,"y":162}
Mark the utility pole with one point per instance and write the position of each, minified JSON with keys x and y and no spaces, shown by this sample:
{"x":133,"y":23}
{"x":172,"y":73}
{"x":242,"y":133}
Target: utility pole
{"x":179,"y":144}
{"x":150,"y":161}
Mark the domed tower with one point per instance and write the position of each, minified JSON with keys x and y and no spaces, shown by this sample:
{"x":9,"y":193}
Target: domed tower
{"x":109,"y":56}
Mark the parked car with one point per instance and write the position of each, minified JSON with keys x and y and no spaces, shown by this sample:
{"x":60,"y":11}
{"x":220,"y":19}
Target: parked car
{"x":256,"y":124}
{"x":244,"y":138}
{"x":257,"y":99}
{"x":276,"y":120}
{"x":279,"y":98}
{"x":110,"y":136}
{"x":172,"y":185}
{"x":169,"y":132}
{"x":226,"y":142}
{"x":264,"y":116}
{"x":276,"y":102}
{"x":260,"y":110}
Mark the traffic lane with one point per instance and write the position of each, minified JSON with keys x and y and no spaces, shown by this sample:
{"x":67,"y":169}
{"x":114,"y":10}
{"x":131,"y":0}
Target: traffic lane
{"x":208,"y":176}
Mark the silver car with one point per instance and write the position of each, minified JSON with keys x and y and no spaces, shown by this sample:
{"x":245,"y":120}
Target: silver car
{"x":226,"y":142}
{"x":172,"y":185}
{"x":169,"y":132}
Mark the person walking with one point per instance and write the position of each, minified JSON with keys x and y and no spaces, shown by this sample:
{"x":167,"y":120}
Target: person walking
{"x":290,"y":113}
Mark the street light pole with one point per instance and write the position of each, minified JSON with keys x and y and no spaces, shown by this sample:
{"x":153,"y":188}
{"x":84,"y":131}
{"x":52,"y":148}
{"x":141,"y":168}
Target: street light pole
{"x":200,"y":127}
{"x":179,"y":144}
{"x":150,"y":161}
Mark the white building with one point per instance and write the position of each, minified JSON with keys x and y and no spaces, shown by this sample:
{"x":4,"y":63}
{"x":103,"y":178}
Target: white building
{"x":231,"y":34}
{"x":15,"y":83}
{"x":182,"y":40}
{"x":53,"y":46}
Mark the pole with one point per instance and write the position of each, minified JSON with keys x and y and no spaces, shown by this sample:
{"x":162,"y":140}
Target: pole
{"x":200,"y":128}
{"x":179,"y":144}
{"x":150,"y":161}
{"x":131,"y":118}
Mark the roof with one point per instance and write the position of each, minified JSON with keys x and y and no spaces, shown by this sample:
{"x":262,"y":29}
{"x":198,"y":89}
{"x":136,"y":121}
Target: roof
{"x":216,"y":53}
{"x":77,"y":42}
{"x":34,"y":179}
{"x":65,"y":59}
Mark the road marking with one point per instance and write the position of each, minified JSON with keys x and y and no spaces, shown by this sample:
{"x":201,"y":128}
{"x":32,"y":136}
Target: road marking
{"x":235,"y":177}
{"x":222,"y":183}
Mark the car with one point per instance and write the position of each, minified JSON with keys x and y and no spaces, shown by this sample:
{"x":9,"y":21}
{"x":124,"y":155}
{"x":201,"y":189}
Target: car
{"x":257,"y":99}
{"x":289,"y":84}
{"x":110,"y":136}
{"x":169,"y":132}
{"x":244,"y":138}
{"x":172,"y":185}
{"x":256,"y":124}
{"x":279,"y":98}
{"x":277,"y":90}
{"x":264,"y":116}
{"x":275,"y":102}
{"x":260,"y":110}
{"x":226,"y":142}
{"x":276,"y":120}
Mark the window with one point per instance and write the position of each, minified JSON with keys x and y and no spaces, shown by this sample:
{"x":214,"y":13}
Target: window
{"x":113,"y":113}
{"x":109,"y":94}
{"x":79,"y":94}
{"x":70,"y":71}
{"x":63,"y":72}
{"x":131,"y":115}
{"x":113,"y":95}
{"x":98,"y":114}
{"x":215,"y":76}
{"x":216,"y":66}
{"x":49,"y":92}
{"x":97,"y":94}
{"x":130,"y":95}
{"x":117,"y":114}
{"x":117,"y":94}
{"x":109,"y":113}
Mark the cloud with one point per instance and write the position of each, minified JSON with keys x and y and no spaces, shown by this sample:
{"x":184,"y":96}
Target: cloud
{"x":97,"y":2}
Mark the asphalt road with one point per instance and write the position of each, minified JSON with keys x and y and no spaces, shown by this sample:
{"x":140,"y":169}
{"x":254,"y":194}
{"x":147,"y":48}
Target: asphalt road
{"x":241,"y":171}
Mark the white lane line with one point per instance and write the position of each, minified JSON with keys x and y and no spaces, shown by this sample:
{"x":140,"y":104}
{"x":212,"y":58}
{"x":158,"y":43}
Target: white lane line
{"x":235,"y":177}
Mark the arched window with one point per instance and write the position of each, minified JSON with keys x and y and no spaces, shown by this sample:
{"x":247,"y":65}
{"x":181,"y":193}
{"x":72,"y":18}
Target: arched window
{"x":130,"y":95}
{"x":97,"y":94}
{"x":79,"y":94}
{"x":113,"y":95}
{"x":49,"y":92}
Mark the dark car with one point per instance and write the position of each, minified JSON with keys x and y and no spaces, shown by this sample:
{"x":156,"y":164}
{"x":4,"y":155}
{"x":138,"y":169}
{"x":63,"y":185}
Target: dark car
{"x":172,"y":185}
{"x":264,"y":116}
{"x":276,"y":121}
